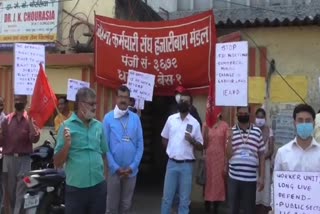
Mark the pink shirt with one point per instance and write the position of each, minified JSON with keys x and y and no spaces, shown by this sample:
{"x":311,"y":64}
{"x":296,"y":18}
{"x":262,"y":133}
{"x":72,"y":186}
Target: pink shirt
{"x":18,"y":136}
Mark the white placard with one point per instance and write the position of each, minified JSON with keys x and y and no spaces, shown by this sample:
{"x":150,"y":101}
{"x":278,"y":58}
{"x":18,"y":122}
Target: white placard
{"x":141,"y":85}
{"x":139,"y":104}
{"x":74,"y":86}
{"x":232,"y":74}
{"x":27,"y":59}
{"x":296,"y":192}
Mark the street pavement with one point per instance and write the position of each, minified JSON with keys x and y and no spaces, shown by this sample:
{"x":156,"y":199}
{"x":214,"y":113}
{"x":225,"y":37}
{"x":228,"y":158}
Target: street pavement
{"x":147,"y":197}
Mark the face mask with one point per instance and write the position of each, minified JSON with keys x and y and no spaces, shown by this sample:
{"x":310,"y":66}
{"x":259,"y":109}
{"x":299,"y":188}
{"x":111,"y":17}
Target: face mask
{"x":19,"y":106}
{"x":260,"y":122}
{"x":243,"y":118}
{"x":118,"y":112}
{"x":88,"y":115}
{"x":183,"y":107}
{"x":177,"y":97}
{"x":304,"y":130}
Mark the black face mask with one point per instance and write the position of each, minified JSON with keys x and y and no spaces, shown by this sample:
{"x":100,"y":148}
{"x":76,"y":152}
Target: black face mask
{"x":183,"y":107}
{"x":243,"y":118}
{"x":19,"y":106}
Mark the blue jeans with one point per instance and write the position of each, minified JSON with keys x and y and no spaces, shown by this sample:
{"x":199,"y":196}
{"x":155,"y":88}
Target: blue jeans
{"x":178,"y":176}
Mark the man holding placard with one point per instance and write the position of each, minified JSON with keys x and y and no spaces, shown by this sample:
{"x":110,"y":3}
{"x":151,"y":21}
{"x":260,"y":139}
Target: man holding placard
{"x":302,"y":154}
{"x":18,"y":134}
{"x":245,"y":150}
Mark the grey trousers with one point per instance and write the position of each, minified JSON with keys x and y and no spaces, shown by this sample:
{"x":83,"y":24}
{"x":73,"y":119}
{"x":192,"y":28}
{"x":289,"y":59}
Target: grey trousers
{"x":120,"y":194}
{"x":14,"y":169}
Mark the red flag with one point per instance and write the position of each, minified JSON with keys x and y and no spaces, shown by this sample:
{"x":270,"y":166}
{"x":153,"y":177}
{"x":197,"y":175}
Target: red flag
{"x":43,"y":101}
{"x":212,"y":110}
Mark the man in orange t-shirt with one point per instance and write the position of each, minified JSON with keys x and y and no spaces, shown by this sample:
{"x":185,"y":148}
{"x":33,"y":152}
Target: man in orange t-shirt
{"x":63,"y":114}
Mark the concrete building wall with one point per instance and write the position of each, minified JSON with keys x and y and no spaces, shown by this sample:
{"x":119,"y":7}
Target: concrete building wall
{"x":85,"y":11}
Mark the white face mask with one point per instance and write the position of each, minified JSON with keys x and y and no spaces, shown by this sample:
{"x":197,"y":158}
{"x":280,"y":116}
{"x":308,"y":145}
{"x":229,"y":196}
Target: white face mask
{"x":118,"y":112}
{"x":178,"y":97}
{"x":260,"y":122}
{"x":89,"y":115}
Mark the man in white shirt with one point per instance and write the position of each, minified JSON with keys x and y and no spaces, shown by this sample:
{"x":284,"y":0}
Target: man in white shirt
{"x":180,"y":135}
{"x":302,"y":154}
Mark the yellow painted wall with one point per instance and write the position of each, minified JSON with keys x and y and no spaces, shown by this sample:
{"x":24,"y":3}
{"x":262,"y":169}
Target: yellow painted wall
{"x":295,"y":51}
{"x":58,"y":78}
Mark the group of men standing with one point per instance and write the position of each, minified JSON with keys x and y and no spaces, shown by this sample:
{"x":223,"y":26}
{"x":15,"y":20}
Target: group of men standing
{"x":90,"y":152}
{"x":101,"y":159}
{"x":109,"y":151}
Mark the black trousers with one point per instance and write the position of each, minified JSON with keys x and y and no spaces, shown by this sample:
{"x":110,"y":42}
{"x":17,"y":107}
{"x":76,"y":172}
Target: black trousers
{"x":244,"y":192}
{"x":91,"y":200}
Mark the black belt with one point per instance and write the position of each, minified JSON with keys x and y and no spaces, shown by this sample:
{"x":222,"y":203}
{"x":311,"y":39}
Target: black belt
{"x":183,"y":161}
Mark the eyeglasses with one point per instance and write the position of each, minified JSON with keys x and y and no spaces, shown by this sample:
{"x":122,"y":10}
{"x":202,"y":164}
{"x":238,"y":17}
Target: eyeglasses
{"x":92,"y":104}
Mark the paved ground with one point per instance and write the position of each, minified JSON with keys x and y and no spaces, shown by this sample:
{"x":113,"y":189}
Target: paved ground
{"x":147,"y":198}
{"x":148,"y":202}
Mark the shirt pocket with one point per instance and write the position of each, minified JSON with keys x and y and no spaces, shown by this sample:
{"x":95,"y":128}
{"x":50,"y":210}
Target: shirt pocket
{"x":24,"y":134}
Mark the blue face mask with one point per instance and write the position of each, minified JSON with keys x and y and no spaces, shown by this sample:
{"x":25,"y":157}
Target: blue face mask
{"x":304,"y":130}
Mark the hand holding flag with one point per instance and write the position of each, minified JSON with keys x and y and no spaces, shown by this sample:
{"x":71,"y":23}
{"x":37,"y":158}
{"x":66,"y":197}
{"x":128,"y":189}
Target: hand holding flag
{"x":44,"y":101}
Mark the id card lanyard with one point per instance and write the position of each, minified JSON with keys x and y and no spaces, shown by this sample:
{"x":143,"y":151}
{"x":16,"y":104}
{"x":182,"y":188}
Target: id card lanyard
{"x":124,"y":128}
{"x":244,"y":140}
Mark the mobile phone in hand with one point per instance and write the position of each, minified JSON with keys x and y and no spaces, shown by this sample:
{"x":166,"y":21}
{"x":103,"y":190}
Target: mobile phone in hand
{"x":189,"y":128}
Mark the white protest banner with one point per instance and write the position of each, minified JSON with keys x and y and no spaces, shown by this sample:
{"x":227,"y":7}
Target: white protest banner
{"x":27,"y":59}
{"x":296,"y":192}
{"x":232,"y":74}
{"x":74,"y":86}
{"x":139,"y":104}
{"x":141,"y":85}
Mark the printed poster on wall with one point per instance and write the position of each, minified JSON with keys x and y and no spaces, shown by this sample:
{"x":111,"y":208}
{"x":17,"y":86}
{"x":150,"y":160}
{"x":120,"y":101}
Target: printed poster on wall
{"x":296,"y":192}
{"x":141,"y":85}
{"x":74,"y":86}
{"x":232,"y":74}
{"x":27,"y":59}
{"x":177,"y":52}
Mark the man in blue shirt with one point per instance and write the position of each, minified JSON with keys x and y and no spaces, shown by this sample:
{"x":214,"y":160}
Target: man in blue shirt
{"x":124,"y":136}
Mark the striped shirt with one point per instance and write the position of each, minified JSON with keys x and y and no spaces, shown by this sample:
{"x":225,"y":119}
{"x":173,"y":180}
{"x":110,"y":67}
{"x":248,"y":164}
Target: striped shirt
{"x":246,"y":147}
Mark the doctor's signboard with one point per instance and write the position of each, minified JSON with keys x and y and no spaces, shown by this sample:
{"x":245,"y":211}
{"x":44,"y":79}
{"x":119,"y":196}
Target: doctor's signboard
{"x":28,"y":21}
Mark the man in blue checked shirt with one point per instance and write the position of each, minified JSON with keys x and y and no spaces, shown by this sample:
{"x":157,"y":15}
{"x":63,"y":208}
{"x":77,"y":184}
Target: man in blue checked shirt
{"x":123,"y":133}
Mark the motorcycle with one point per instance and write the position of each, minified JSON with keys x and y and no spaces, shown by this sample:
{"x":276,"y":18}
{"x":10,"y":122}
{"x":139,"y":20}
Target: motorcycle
{"x":42,"y":156}
{"x":45,"y":193}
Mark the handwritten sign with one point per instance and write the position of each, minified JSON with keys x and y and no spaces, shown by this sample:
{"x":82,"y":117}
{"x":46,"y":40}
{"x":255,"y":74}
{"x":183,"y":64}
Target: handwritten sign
{"x":27,"y":58}
{"x":74,"y":86}
{"x":297,"y":192}
{"x":141,"y":85}
{"x":139,"y":104}
{"x":232,"y":74}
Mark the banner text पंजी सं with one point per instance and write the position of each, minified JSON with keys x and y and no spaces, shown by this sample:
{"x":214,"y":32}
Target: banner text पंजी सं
{"x":178,"y":52}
